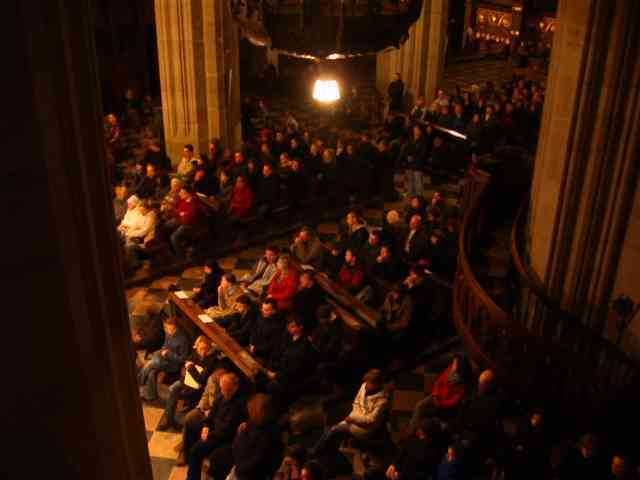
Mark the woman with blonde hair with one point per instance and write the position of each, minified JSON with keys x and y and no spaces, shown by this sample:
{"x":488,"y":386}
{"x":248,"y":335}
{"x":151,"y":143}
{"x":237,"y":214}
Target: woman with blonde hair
{"x":284,"y":285}
{"x":192,"y":382}
{"x":257,"y":449}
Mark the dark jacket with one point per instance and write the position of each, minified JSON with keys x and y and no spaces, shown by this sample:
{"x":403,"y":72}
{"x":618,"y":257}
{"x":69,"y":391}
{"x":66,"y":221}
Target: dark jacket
{"x":225,"y":417}
{"x":268,"y":190}
{"x":415,"y":154}
{"x":257,"y":451}
{"x":178,"y":346}
{"x":391,"y":271}
{"x":417,"y":248}
{"x":306,"y":303}
{"x":295,"y":362}
{"x":451,"y":471}
{"x":356,"y":240}
{"x":328,"y":340}
{"x":418,"y":459}
{"x":208,"y":294}
{"x":266,"y":336}
{"x":238,"y":326}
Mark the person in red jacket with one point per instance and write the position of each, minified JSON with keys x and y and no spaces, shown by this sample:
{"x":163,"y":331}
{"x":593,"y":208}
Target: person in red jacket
{"x":448,"y":391}
{"x":241,"y":202}
{"x":187,"y":215}
{"x":284,"y":285}
{"x":352,"y":278}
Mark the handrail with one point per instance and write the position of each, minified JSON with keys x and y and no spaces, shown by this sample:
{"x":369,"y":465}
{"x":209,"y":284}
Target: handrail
{"x":563,"y":320}
{"x":559,"y":362}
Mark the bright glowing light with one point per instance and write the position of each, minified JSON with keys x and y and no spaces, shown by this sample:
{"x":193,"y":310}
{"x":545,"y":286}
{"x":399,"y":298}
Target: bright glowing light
{"x":336,"y":56}
{"x":326,"y":91}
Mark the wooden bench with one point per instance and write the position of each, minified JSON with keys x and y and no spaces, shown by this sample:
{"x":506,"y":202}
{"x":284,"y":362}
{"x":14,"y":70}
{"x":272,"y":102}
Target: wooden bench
{"x":190,"y":321}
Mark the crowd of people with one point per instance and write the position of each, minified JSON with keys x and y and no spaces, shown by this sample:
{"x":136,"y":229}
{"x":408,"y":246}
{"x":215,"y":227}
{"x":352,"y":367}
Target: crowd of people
{"x":279,"y":313}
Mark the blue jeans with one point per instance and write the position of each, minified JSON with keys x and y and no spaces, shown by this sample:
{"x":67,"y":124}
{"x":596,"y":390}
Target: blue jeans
{"x":331,"y":438}
{"x":172,"y":401}
{"x":147,"y":374}
{"x":414,"y":182}
{"x":178,"y":238}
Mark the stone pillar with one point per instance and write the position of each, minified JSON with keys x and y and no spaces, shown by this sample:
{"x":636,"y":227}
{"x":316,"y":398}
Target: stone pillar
{"x":71,"y":406}
{"x":588,"y":160}
{"x":199,"y":73}
{"x":421,"y":58}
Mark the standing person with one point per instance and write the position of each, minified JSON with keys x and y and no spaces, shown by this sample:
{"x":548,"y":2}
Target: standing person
{"x":396,"y":94}
{"x":383,"y":170}
{"x":414,"y":158}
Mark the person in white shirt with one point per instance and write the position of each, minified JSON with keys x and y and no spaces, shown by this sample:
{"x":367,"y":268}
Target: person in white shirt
{"x":138,"y":231}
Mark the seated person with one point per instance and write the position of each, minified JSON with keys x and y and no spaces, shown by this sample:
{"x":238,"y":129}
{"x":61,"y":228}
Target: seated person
{"x":241,"y":202}
{"x":307,"y":300}
{"x":529,"y":455}
{"x":130,"y":217}
{"x":366,"y":419}
{"x":371,"y":250}
{"x":170,"y":201}
{"x":297,"y":184}
{"x":139,"y":232}
{"x":388,"y":267}
{"x":228,"y":291}
{"x":414,"y":244}
{"x":584,"y":461}
{"x":307,"y":247}
{"x":220,"y":426}
{"x":257,"y":447}
{"x":256,"y":282}
{"x":416,"y":207}
{"x":437,"y":259}
{"x":152,"y":184}
{"x":168,"y":359}
{"x":352,"y":278}
{"x":452,"y":466}
{"x":396,"y":314}
{"x":194,"y":420}
{"x":120,"y":202}
{"x":240,"y":323}
{"x":447,"y":393}
{"x":146,"y":328}
{"x":205,"y":183}
{"x":291,"y":367}
{"x":206,"y":295}
{"x":197,"y":368}
{"x":356,"y":234}
{"x":284,"y":284}
{"x":268,"y":192}
{"x":187,"y":165}
{"x":394,"y":231}
{"x":332,"y":262}
{"x":292,"y":463}
{"x":266,"y":337}
{"x":420,"y":455}
{"x":182,"y":226}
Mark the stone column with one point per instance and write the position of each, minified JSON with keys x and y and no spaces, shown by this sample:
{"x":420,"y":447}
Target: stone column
{"x":420,"y":60}
{"x":71,"y":406}
{"x":199,"y":73}
{"x":588,"y":160}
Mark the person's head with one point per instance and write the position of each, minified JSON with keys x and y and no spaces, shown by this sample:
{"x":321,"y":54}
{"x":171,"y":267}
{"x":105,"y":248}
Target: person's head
{"x":112,"y":119}
{"x":271,"y":254}
{"x":350,"y":257}
{"x":187,"y":151}
{"x":284,"y":158}
{"x":486,"y":381}
{"x":228,"y":280}
{"x":279,"y":136}
{"x":488,"y":111}
{"x":305,"y":234}
{"x":416,"y":275}
{"x":202,"y":346}
{"x":373,"y":381}
{"x":375,"y":237}
{"x":295,"y":327}
{"x":415,"y":222}
{"x":214,"y":146}
{"x":350,"y":149}
{"x":259,"y":409}
{"x":444,"y":110}
{"x":420,"y":101}
{"x":436,"y":237}
{"x":184,"y":193}
{"x":306,"y":280}
{"x":306,"y":135}
{"x":295,"y":164}
{"x":353,"y":218}
{"x":383,"y":145}
{"x":283,"y":263}
{"x":170,"y":326}
{"x":312,"y":470}
{"x":211,"y":266}
{"x":268,"y":308}
{"x":395,"y":292}
{"x":120,"y":192}
{"x":537,"y":419}
{"x":458,"y":109}
{"x":264,"y":148}
{"x":242,"y":304}
{"x":238,"y":158}
{"x":436,"y":198}
{"x":619,"y":466}
{"x":438,"y":142}
{"x":229,"y":383}
{"x":508,"y":108}
{"x":588,"y":445}
{"x":267,"y":170}
{"x":143,"y":207}
{"x":475,"y":118}
{"x":294,"y":143}
{"x":314,"y":149}
{"x":397,"y":76}
{"x":241,"y":182}
{"x":132,"y":202}
{"x":454,"y":452}
{"x":328,"y":156}
{"x":415,"y":202}
{"x":417,"y":132}
{"x":151,"y":170}
{"x":386,"y":252}
{"x":176,"y":185}
{"x":393,"y":217}
{"x":199,"y":175}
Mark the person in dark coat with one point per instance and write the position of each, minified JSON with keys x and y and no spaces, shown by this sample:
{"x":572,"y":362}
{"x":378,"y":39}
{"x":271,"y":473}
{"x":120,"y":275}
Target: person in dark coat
{"x":220,"y":426}
{"x":241,"y":322}
{"x":206,"y":295}
{"x":356,"y":234}
{"x":307,"y":300}
{"x":199,"y":365}
{"x":290,"y":368}
{"x":268,"y":191}
{"x":452,"y":466}
{"x":420,"y":456}
{"x":388,"y":268}
{"x":585,"y":461}
{"x":257,"y":448}
{"x":396,"y":94}
{"x":333,"y":260}
{"x":265,"y":339}
{"x":413,"y":158}
{"x":383,"y":169}
{"x":415,"y":244}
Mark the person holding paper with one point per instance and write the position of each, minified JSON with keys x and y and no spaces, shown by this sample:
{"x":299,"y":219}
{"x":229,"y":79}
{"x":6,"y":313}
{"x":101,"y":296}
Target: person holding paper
{"x":197,"y":369}
{"x":206,"y":295}
{"x":168,"y":359}
{"x":228,"y":291}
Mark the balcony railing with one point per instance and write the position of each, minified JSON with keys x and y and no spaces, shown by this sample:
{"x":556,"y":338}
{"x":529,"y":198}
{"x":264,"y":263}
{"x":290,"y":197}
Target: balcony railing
{"x":538,"y":351}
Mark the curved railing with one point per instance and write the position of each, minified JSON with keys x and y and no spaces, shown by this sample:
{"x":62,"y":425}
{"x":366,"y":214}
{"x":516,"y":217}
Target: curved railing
{"x":536,"y":355}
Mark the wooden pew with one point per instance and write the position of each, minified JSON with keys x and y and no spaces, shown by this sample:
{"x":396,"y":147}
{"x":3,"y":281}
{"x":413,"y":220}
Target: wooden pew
{"x":237,"y":354}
